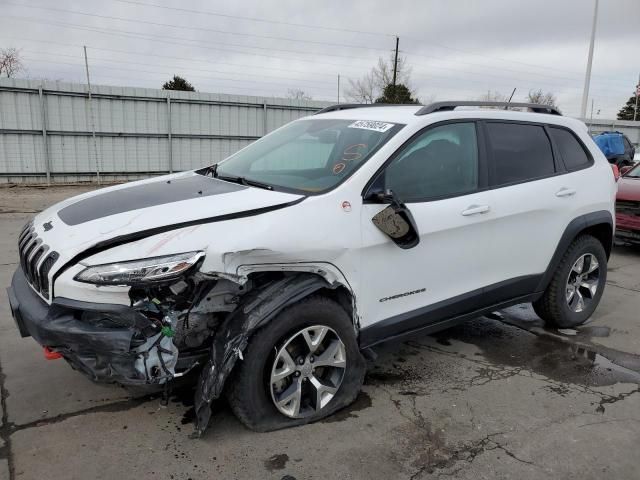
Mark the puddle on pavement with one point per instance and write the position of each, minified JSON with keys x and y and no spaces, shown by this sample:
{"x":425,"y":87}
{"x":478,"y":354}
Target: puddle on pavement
{"x":511,"y":346}
{"x":558,"y":361}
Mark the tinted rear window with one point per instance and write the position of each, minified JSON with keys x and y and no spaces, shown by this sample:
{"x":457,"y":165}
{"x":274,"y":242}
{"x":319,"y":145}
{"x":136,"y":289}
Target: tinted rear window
{"x":570,"y":149}
{"x":519,"y":152}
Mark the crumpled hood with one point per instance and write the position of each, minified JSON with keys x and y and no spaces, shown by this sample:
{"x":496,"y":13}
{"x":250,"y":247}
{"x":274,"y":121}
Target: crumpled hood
{"x":81,"y":222}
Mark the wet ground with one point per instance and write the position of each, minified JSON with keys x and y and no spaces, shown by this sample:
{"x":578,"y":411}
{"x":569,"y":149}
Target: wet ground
{"x":499,"y":397}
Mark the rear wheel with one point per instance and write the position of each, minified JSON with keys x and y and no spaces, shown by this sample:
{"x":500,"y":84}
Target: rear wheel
{"x":577,"y":285}
{"x":303,"y":366}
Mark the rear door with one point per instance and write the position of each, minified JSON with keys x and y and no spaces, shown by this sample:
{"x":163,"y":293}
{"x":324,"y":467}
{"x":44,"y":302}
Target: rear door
{"x":533,"y":201}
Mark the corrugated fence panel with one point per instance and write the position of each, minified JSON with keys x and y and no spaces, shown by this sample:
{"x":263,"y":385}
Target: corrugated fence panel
{"x":14,"y":149}
{"x":20,"y":111}
{"x":134,"y":134}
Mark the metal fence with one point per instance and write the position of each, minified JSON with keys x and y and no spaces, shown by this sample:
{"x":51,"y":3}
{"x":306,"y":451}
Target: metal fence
{"x":52,"y":132}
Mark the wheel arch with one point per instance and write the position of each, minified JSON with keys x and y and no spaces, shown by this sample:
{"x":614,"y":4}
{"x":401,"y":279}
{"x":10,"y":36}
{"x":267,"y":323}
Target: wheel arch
{"x":598,"y":224}
{"x":278,"y":290}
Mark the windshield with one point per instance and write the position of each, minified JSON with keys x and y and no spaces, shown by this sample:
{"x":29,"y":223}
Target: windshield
{"x":634,"y":172}
{"x":311,"y":156}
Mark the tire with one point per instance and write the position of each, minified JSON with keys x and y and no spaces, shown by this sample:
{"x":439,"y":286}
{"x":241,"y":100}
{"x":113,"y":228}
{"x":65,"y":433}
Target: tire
{"x":250,"y":390}
{"x":554,"y":307}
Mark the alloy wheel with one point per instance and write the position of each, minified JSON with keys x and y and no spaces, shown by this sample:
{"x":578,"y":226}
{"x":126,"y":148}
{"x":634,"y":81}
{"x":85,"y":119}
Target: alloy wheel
{"x":307,"y":371}
{"x":583,"y":282}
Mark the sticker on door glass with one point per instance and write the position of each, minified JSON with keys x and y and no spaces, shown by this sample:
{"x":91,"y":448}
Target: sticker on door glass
{"x":372,"y":125}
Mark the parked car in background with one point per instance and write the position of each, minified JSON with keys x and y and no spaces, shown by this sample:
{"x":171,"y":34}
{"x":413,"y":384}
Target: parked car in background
{"x":280,"y":266}
{"x":617,"y":147}
{"x":628,"y":205}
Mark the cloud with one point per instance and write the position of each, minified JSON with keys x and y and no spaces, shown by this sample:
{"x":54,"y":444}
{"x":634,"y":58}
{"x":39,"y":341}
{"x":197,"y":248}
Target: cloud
{"x":458,"y":49}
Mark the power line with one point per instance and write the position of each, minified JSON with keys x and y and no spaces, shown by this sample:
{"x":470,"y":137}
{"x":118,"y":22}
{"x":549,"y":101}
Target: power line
{"x":253,"y":19}
{"x":186,"y":68}
{"x":146,"y":54}
{"x":191,"y":27}
{"x":159,"y":38}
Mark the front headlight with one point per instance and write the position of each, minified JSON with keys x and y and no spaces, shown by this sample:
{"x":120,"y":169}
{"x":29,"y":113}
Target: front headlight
{"x":140,"y":272}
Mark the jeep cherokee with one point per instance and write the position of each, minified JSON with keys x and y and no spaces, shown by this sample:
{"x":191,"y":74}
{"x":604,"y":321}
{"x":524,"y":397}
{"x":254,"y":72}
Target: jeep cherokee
{"x":278,"y":267}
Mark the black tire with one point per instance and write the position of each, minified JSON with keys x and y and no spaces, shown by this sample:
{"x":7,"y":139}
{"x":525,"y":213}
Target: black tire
{"x":552,"y":307}
{"x":248,"y":392}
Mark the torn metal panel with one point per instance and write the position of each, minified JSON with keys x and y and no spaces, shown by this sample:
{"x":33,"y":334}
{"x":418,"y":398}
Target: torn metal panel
{"x":257,"y":309}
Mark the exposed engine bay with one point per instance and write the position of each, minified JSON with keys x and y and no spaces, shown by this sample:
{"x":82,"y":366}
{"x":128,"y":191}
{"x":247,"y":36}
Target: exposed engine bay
{"x":183,"y":319}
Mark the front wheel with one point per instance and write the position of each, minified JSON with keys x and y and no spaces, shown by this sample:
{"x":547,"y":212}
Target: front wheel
{"x":576,"y":286}
{"x":301,"y":367}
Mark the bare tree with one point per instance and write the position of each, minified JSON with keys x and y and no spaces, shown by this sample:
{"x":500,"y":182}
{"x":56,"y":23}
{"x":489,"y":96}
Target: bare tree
{"x":297,"y":94}
{"x":538,"y":96}
{"x":370,"y":87}
{"x":10,"y":63}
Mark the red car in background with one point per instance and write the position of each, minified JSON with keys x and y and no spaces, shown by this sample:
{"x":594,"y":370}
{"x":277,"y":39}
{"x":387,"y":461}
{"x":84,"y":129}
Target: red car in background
{"x":628,"y":205}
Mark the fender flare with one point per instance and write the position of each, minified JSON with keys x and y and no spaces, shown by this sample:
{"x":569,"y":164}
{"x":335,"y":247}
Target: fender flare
{"x":575,"y":227}
{"x":232,"y":337}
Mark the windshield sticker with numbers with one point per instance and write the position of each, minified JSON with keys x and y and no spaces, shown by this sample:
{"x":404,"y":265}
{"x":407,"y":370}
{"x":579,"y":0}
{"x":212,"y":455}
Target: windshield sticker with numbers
{"x":372,"y":125}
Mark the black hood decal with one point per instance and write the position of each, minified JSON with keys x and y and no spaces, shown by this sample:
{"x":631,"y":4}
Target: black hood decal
{"x":143,"y":196}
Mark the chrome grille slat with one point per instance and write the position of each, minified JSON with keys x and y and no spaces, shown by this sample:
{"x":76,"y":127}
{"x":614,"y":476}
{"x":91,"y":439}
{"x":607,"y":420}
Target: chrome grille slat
{"x":36,"y":259}
{"x":45,"y":268}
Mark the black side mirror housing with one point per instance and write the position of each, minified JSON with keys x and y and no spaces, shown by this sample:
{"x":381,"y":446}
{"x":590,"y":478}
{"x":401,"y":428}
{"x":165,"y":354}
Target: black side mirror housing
{"x":396,"y":221}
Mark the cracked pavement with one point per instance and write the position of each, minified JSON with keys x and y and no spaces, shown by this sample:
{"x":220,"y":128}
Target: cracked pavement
{"x":493,"y":398}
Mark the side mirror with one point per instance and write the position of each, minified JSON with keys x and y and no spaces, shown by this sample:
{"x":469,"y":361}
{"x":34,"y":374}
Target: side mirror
{"x":625,"y":169}
{"x":397,"y":222}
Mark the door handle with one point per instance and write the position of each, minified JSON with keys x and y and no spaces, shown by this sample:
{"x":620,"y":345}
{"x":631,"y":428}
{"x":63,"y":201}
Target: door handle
{"x":475,"y":210}
{"x":565,"y":192}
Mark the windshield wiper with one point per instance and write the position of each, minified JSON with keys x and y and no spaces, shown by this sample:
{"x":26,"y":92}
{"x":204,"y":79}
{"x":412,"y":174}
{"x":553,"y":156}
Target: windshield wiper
{"x":244,"y":181}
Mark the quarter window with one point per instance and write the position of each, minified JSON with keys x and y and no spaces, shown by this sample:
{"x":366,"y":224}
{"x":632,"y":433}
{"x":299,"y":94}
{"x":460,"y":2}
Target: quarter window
{"x":519,"y":152}
{"x":443,"y":161}
{"x":572,"y":153}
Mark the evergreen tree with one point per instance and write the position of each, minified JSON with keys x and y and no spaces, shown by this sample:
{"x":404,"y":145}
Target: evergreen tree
{"x":178,"y":83}
{"x":626,"y":112}
{"x":396,"y":94}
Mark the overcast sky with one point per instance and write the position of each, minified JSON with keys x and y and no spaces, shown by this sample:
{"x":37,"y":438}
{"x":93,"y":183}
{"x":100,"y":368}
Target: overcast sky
{"x":458,"y":49}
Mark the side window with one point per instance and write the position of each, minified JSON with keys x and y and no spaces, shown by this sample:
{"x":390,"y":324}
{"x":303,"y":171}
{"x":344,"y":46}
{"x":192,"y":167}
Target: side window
{"x":571,"y":151}
{"x":440,"y":162}
{"x":519,"y":152}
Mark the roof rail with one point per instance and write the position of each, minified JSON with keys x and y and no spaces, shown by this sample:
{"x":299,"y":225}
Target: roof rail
{"x":447,"y":106}
{"x":348,"y":106}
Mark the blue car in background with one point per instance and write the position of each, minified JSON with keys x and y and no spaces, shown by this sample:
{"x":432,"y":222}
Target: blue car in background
{"x":616,"y":147}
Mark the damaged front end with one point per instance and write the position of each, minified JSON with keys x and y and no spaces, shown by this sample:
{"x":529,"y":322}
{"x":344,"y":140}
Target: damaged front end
{"x":170,"y":327}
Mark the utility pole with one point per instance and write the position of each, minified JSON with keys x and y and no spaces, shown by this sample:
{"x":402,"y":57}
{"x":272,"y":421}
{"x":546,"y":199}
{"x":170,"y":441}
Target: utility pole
{"x":338,"y":88}
{"x":395,"y":66}
{"x":587,"y":77}
{"x":93,"y":121}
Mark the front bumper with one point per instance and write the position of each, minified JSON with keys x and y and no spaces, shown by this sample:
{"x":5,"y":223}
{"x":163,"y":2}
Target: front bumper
{"x":104,"y":354}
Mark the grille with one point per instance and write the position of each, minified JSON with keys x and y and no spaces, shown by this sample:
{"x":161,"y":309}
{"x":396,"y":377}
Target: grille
{"x":36,"y":259}
{"x":627,"y":207}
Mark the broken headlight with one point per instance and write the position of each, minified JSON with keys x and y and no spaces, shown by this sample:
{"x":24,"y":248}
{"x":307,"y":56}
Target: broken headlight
{"x":140,"y":272}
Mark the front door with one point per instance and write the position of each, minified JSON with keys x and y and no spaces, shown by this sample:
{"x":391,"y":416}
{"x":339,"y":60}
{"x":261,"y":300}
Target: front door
{"x":441,"y":178}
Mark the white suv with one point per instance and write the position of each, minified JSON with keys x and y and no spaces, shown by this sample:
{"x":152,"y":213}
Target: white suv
{"x":279,"y":266}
